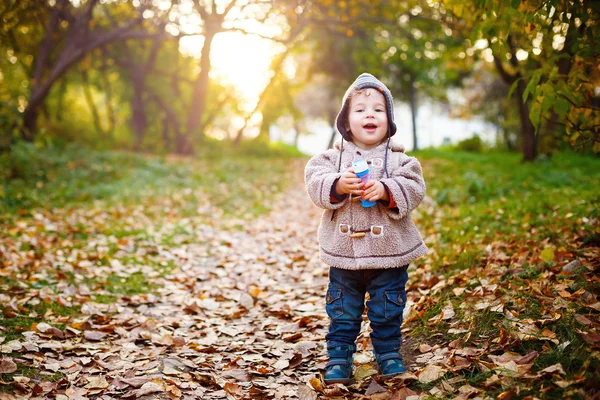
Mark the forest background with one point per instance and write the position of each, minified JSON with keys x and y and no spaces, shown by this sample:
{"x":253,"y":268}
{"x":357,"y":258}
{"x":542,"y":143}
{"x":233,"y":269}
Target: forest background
{"x":140,"y":75}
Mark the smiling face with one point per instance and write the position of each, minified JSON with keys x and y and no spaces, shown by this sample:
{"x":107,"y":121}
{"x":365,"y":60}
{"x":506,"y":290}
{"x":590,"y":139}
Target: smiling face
{"x":367,"y":118}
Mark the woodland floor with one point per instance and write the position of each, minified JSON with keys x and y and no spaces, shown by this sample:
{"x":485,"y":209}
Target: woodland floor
{"x":229,"y":308}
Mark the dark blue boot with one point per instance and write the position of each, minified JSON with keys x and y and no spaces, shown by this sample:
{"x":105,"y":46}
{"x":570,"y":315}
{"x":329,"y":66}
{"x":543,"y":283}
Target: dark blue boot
{"x":390,"y":364}
{"x":339,"y":367}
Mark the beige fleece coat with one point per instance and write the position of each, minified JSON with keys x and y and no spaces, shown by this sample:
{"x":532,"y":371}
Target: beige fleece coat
{"x":391,"y":238}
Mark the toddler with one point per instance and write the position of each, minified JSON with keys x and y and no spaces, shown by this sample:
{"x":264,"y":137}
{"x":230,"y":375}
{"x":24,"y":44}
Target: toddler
{"x":368,"y":248}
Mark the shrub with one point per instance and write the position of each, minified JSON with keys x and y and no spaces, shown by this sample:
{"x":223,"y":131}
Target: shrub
{"x":473,"y":144}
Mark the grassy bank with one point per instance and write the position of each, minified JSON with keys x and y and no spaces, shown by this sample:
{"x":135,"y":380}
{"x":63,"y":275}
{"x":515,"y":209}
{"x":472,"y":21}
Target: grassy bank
{"x":72,"y":176}
{"x":512,"y":272}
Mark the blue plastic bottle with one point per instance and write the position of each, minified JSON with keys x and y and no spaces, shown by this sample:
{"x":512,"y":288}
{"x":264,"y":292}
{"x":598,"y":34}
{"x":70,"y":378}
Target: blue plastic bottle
{"x":361,"y":169}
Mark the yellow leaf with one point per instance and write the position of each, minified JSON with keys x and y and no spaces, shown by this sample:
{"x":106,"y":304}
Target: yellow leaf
{"x":548,"y":254}
{"x":316,"y":384}
{"x":364,"y":371}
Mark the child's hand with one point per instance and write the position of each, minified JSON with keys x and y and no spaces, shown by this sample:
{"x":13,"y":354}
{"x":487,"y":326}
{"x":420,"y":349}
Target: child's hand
{"x":374,"y":190}
{"x":348,"y":183}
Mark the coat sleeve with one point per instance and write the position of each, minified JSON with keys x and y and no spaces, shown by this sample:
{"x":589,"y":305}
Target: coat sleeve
{"x":319,"y":175}
{"x":406,"y":185}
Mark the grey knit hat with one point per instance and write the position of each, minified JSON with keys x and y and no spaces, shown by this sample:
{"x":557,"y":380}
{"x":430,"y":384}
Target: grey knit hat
{"x":362,"y":82}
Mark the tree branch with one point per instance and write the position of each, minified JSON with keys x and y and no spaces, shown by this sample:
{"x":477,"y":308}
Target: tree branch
{"x":506,"y":77}
{"x":229,"y":7}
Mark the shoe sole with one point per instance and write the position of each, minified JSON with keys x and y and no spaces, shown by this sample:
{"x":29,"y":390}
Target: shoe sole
{"x":343,"y":381}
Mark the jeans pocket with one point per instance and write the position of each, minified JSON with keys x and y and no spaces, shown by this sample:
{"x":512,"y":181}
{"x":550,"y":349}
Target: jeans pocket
{"x":394,"y":304}
{"x":334,"y":306}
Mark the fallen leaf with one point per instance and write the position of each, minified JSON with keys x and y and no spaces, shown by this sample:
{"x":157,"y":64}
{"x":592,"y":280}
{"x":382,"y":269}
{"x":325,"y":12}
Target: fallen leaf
{"x":94,"y":336}
{"x":149,"y":387}
{"x":403,"y":394}
{"x":582,"y":320}
{"x":306,"y":393}
{"x":556,"y":368}
{"x":316,"y":384}
{"x":425,"y":348}
{"x":547,"y":254}
{"x":374,"y":387}
{"x":431,"y":373}
{"x":363,"y":371}
{"x":96,"y":382}
{"x":7,"y":366}
{"x":233,"y":389}
{"x":239,"y":375}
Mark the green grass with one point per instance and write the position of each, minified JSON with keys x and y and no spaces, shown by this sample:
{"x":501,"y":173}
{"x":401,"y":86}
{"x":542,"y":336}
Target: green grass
{"x":239,"y":181}
{"x":30,"y":372}
{"x":17,"y":322}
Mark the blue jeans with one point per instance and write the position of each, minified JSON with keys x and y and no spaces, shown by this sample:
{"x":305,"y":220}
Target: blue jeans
{"x":345,"y":303}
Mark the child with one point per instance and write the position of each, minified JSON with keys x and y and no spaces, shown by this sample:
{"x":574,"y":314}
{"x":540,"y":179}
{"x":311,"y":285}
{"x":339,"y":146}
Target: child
{"x":368,"y":249}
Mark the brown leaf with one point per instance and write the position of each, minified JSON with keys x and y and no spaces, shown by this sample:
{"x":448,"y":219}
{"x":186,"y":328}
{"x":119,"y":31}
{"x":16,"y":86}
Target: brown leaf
{"x":556,"y":368}
{"x":296,"y":360}
{"x":233,"y":389}
{"x":403,"y":393}
{"x":48,"y":329}
{"x":591,"y":338}
{"x":96,"y":382}
{"x":582,"y":320}
{"x":431,"y":373}
{"x":306,"y":393}
{"x":173,"y":391}
{"x":150,"y":387}
{"x":528,"y":358}
{"x":136,"y":382}
{"x":94,"y":336}
{"x":374,"y":387}
{"x":425,"y":348}
{"x":508,"y":395}
{"x":293,"y":338}
{"x":238,"y":374}
{"x":7,"y":365}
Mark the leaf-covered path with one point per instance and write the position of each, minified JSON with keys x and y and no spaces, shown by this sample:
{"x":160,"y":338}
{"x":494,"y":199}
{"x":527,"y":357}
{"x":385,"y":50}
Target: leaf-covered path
{"x":240,"y":313}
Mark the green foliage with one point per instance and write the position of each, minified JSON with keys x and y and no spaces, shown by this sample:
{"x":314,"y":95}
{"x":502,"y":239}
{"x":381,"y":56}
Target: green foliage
{"x":560,"y":41}
{"x":473,"y":144}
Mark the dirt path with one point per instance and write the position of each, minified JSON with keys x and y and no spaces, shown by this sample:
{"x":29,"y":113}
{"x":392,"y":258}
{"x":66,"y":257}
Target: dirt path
{"x":249,"y":305}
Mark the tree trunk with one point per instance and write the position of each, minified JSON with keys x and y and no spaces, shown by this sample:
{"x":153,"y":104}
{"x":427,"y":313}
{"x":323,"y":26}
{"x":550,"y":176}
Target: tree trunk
{"x":90,"y":100}
{"x":528,"y":138}
{"x":110,"y":111}
{"x":413,"y":111}
{"x":529,"y":145}
{"x":200,"y":93}
{"x":61,"y":97}
{"x":138,"y":110}
{"x":38,"y":92}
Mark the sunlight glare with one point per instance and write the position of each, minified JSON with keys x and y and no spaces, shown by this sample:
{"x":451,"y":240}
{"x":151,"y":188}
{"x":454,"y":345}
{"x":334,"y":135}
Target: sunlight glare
{"x":238,"y":60}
